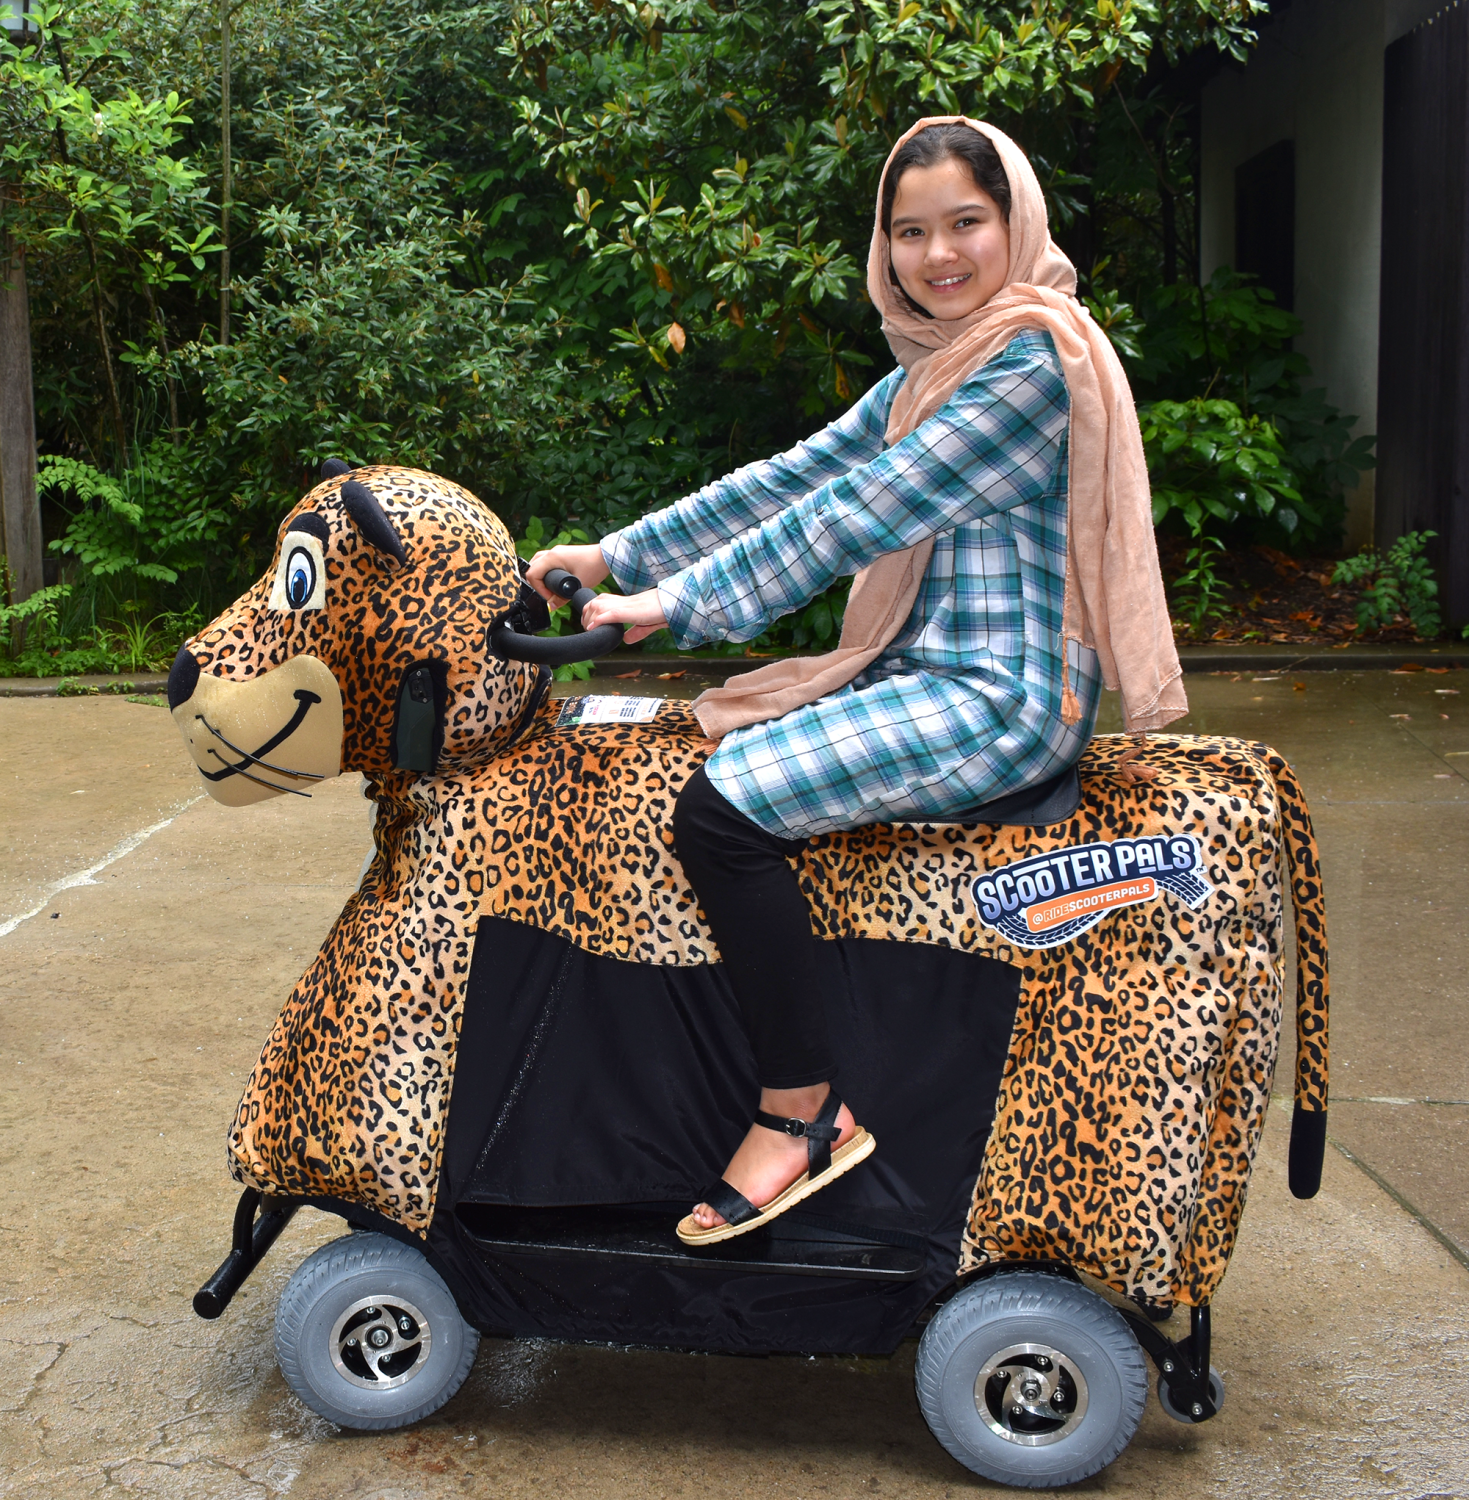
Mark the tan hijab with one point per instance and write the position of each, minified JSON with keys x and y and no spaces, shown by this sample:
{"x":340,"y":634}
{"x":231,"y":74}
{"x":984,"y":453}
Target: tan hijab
{"x":1114,"y":590}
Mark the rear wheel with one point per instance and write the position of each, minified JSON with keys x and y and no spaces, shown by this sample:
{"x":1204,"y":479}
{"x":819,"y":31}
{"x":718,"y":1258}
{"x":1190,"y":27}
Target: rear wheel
{"x":1031,"y":1380}
{"x":1195,"y":1412}
{"x":368,"y":1335}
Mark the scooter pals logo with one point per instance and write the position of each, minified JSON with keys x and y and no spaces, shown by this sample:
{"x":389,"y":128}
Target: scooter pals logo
{"x":1049,"y":898}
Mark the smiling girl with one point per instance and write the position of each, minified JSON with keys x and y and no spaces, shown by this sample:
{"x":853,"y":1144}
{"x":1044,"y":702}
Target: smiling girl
{"x":991,"y":497}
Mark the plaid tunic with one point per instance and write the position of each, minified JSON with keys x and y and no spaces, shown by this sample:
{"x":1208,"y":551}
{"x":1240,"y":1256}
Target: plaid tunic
{"x":965,"y":702}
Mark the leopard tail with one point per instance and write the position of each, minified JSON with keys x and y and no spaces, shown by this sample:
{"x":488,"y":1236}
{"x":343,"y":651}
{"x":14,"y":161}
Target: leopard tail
{"x":1313,"y":985}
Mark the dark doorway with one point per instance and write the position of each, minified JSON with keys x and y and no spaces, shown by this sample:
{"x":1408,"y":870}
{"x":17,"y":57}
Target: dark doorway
{"x":1265,"y":220}
{"x":1423,"y":382}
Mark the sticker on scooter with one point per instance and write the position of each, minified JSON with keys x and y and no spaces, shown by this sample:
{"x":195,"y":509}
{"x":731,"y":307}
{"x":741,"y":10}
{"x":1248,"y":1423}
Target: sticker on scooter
{"x":1050,"y":898}
{"x":595,"y":708}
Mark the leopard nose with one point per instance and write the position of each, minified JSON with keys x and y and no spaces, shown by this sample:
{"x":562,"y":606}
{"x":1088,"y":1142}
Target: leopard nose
{"x":183,"y":675}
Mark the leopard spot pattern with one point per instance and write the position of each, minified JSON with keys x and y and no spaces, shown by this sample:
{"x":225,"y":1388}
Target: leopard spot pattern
{"x":1143,"y":1052}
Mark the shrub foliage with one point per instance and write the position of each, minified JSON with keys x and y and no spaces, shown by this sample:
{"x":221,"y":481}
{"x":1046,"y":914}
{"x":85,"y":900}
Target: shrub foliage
{"x":582,"y":255}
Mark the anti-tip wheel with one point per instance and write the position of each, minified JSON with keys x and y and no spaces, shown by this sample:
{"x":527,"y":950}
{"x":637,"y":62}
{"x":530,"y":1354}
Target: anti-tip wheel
{"x":368,"y":1335}
{"x":1031,"y":1380}
{"x":1191,"y":1417}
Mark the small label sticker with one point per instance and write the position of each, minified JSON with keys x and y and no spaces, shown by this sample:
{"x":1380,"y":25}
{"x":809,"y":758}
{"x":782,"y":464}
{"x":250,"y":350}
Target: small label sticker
{"x":1050,"y":898}
{"x":596,"y":708}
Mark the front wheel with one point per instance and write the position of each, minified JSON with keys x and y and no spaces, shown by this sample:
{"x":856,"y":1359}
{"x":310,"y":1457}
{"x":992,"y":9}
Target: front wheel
{"x":1031,"y":1380}
{"x":368,"y":1335}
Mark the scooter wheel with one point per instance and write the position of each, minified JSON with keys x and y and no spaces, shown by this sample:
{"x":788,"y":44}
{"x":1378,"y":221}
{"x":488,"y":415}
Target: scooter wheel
{"x":368,"y":1335}
{"x":1178,"y":1413}
{"x":1031,"y":1380}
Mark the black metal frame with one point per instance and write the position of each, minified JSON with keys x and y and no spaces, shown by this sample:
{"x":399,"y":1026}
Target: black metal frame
{"x":1183,"y":1364}
{"x":251,"y":1237}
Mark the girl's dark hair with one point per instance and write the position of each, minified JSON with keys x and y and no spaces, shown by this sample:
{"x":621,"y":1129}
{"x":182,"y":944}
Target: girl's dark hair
{"x":927,"y":149}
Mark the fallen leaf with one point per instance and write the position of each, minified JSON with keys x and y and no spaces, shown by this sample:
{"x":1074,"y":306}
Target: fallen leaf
{"x":1446,"y":692}
{"x":1437,"y":670}
{"x":1400,"y":716}
{"x":1409,"y":666}
{"x":624,"y":676}
{"x":671,"y":676}
{"x":1300,"y":687}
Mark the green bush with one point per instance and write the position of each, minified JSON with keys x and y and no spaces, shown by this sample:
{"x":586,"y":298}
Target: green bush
{"x":1397,"y":582}
{"x":582,"y":258}
{"x":41,"y":637}
{"x":1211,"y":468}
{"x":1228,"y":342}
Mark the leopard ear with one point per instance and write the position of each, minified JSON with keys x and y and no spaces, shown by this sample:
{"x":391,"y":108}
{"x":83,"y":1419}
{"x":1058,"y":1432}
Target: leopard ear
{"x":334,"y":467}
{"x":371,"y":520}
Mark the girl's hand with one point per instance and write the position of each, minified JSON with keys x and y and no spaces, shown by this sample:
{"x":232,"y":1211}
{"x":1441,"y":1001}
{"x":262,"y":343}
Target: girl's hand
{"x":585,"y":563}
{"x":642,"y":613}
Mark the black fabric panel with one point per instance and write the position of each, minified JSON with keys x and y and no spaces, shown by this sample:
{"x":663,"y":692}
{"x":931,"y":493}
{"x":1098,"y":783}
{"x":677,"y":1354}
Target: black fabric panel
{"x":587,"y":1080}
{"x":581,"y":1079}
{"x":1423,"y":353}
{"x":711,"y":1310}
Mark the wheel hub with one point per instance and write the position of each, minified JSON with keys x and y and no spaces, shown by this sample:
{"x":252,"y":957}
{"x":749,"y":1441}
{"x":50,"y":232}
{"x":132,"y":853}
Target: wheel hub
{"x":1030,"y":1394}
{"x":378,"y":1343}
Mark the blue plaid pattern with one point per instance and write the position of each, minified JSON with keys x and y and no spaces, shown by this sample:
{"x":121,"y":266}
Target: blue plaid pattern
{"x":965,"y":703}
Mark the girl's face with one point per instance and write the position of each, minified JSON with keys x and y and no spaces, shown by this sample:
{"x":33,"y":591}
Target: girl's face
{"x":949,"y":241}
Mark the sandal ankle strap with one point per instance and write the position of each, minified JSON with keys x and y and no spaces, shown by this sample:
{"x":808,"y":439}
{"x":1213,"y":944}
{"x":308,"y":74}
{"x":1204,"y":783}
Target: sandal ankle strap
{"x":819,"y":1134}
{"x":801,"y":1129}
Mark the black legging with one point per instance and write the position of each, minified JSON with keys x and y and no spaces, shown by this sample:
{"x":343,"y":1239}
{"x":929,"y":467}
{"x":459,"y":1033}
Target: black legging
{"x":760,"y":919}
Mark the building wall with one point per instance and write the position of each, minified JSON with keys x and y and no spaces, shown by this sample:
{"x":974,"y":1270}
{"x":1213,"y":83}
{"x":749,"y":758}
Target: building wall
{"x":1316,"y":78}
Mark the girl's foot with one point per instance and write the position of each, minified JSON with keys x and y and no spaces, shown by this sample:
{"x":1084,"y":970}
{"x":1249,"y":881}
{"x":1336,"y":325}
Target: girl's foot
{"x":768,"y":1161}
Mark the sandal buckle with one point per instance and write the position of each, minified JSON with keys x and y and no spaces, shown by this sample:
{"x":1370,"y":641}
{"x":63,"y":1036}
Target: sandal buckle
{"x":796,"y":1128}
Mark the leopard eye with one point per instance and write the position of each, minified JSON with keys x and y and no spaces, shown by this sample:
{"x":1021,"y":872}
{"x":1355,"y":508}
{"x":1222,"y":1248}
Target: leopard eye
{"x":300,"y":577}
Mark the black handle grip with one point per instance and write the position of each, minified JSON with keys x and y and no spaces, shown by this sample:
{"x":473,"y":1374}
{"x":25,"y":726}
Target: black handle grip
{"x":559,"y":581}
{"x":560,"y":650}
{"x":554,"y":650}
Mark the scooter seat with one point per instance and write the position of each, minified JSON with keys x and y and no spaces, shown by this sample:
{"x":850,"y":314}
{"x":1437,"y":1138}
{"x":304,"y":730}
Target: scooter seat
{"x":1035,"y":806}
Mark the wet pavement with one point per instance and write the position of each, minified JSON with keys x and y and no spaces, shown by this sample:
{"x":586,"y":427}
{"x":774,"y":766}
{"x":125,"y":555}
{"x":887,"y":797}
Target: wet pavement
{"x":148,"y":938}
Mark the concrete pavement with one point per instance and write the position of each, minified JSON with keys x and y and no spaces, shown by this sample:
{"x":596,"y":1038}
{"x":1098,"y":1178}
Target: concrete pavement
{"x":137,"y":995}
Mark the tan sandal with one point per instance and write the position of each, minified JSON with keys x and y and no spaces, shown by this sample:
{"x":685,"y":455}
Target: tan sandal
{"x":823,"y":1166}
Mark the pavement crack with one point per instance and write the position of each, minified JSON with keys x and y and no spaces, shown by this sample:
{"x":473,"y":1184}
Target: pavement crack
{"x":34,"y":1381}
{"x":1411,"y":1209}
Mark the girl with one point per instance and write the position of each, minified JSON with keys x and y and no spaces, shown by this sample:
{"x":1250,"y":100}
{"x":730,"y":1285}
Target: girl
{"x":991,"y":497}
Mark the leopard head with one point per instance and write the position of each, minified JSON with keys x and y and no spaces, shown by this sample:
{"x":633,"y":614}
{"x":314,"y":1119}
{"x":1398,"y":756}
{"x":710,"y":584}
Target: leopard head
{"x":365,"y":645}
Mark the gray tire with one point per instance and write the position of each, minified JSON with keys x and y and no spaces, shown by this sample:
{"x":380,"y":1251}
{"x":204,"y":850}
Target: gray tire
{"x":1216,"y":1395}
{"x":1031,"y":1380}
{"x":368,"y":1335}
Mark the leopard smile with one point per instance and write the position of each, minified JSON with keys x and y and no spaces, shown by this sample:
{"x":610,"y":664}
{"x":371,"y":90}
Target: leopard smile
{"x":258,"y":737}
{"x":304,"y":700}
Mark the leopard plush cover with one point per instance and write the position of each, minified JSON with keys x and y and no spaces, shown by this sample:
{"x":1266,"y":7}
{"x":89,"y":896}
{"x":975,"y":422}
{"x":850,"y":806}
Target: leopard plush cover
{"x":1143,"y":1051}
